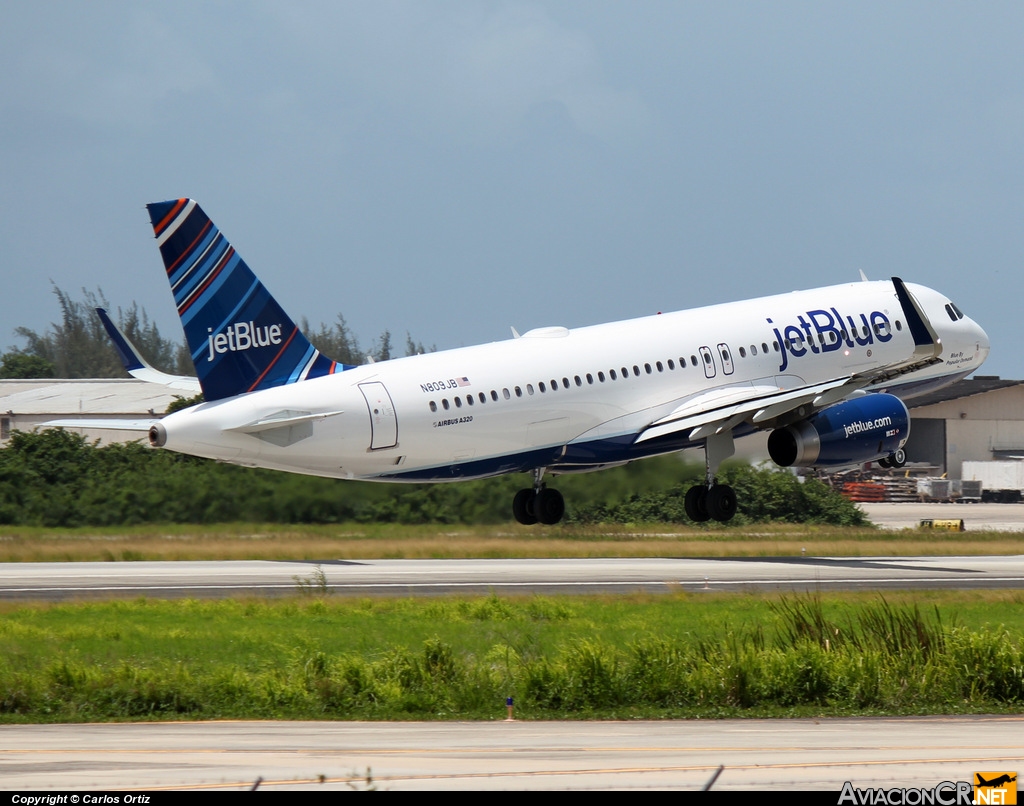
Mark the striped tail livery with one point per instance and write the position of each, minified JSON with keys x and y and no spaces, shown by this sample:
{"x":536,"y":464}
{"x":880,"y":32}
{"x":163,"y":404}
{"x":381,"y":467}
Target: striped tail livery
{"x":240,"y":338}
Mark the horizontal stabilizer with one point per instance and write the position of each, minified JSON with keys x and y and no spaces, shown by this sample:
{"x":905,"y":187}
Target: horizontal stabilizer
{"x":282,"y":419}
{"x":101,"y":424}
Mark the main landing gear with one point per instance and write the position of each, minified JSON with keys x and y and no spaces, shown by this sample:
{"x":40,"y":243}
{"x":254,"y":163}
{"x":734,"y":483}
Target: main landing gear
{"x":716,"y":503}
{"x":898,"y":459}
{"x":712,"y":501}
{"x":538,"y":504}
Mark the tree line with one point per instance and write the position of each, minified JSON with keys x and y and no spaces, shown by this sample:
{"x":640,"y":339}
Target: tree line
{"x":55,"y":478}
{"x":77,"y":346}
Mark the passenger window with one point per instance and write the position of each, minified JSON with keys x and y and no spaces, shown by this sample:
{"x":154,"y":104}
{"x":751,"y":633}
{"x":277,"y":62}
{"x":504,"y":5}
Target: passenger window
{"x":458,"y":402}
{"x":506,"y":394}
{"x":519,"y":392}
{"x":743,"y":352}
{"x":611,"y":374}
{"x":483,"y":397}
{"x":590,"y":378}
{"x":541,"y":386}
{"x":565,"y":382}
{"x":494,"y":395}
{"x":764,"y":348}
{"x":529,"y":388}
{"x":625,"y":372}
{"x":671,"y":364}
{"x":659,"y":366}
{"x":444,"y":404}
{"x":899,"y":325}
{"x":469,"y":400}
{"x":693,"y":360}
{"x":579,"y":381}
{"x":600,"y":377}
{"x":433,"y":406}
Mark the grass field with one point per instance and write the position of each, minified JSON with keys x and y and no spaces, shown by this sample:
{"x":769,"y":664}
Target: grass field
{"x":597,"y":657}
{"x":388,"y":541}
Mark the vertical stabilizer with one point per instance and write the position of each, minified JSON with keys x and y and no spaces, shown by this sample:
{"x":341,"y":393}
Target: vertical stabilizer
{"x":240,"y":339}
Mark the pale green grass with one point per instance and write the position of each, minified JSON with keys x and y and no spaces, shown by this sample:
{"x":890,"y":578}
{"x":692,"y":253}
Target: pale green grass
{"x":389,"y":541}
{"x":623,"y":656}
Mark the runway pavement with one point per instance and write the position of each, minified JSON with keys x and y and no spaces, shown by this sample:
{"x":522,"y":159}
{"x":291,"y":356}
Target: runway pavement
{"x":756,"y":754}
{"x":58,"y":581}
{"x":976,"y":517}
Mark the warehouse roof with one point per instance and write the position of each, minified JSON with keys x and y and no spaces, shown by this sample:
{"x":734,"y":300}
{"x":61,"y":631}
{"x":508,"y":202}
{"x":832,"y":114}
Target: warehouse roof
{"x":111,"y":396}
{"x":977,"y":385}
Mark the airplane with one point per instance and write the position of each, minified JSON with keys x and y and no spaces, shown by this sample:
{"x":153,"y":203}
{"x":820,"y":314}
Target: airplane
{"x":995,"y":782}
{"x":826,"y":371}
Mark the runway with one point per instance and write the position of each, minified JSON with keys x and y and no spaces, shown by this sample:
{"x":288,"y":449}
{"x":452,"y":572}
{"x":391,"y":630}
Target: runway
{"x":756,"y":754}
{"x":976,"y":517}
{"x":60,"y":581}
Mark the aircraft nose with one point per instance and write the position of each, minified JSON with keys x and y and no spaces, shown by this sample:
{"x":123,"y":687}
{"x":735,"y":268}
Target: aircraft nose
{"x":982,"y":344}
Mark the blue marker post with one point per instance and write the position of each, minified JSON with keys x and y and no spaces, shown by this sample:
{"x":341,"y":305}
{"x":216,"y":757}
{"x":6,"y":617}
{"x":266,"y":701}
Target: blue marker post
{"x":508,"y":704}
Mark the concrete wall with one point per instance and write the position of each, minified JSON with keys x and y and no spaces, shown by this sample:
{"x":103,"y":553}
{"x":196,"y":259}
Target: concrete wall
{"x":980,"y":427}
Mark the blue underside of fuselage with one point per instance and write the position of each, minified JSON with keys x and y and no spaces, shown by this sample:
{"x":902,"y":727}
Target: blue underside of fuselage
{"x":581,"y":456}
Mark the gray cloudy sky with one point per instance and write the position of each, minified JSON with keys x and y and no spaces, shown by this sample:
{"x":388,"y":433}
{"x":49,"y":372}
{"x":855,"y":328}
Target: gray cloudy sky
{"x":450,"y":169}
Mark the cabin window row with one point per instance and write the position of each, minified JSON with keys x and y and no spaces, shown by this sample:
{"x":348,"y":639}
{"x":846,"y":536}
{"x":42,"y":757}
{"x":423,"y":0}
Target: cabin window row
{"x":624,"y":372}
{"x":589,"y":380}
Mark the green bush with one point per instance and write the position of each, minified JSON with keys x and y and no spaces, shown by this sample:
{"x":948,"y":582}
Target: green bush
{"x":54,"y":478}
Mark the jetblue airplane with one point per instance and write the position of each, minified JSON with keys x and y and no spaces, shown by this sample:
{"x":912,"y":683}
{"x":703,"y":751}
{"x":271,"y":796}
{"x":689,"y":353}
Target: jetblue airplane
{"x":825,"y":370}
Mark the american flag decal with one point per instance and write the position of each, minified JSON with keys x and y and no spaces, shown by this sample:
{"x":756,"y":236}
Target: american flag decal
{"x":462,"y":381}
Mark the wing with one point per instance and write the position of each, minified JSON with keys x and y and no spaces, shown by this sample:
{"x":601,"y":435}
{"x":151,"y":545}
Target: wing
{"x":764,"y":404}
{"x":137,"y":366}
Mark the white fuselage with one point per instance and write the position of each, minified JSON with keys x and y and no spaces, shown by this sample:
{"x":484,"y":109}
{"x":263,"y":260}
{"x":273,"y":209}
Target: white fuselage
{"x":570,"y":399}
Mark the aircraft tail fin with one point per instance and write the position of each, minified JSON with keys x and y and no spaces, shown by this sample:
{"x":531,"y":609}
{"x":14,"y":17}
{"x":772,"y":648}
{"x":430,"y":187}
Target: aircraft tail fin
{"x":137,"y":366}
{"x":240,"y":338}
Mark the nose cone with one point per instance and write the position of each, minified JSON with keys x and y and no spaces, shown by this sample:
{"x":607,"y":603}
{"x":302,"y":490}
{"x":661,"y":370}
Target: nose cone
{"x":982,"y":344}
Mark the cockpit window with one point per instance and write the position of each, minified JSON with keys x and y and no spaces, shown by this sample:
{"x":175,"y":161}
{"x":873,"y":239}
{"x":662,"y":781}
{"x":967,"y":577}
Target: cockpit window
{"x":955,"y":314}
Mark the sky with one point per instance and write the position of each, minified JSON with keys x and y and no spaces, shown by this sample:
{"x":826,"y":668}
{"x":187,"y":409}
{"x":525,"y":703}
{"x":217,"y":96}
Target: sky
{"x":454,"y":169}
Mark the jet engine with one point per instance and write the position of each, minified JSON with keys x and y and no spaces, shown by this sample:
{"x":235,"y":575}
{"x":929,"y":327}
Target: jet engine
{"x":862,"y":429}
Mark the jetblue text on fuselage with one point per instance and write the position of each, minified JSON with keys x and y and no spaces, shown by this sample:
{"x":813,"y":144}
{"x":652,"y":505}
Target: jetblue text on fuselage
{"x":823,"y":331}
{"x":242,"y":336}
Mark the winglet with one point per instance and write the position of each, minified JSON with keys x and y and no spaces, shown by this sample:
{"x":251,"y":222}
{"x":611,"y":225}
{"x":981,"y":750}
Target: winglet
{"x":136,"y":365}
{"x":920,"y":328}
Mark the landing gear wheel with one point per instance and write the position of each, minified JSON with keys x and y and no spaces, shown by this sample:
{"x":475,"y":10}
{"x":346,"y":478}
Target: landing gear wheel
{"x":549,"y":506}
{"x":898,"y":459}
{"x":524,"y":507}
{"x":696,"y":503}
{"x":721,"y":502}
{"x":885,"y":462}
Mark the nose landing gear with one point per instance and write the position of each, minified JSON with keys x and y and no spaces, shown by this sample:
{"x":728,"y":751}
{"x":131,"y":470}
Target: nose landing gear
{"x":898,"y":459}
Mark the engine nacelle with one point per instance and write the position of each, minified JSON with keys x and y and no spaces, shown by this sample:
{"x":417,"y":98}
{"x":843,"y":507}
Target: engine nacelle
{"x":859,"y":430}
